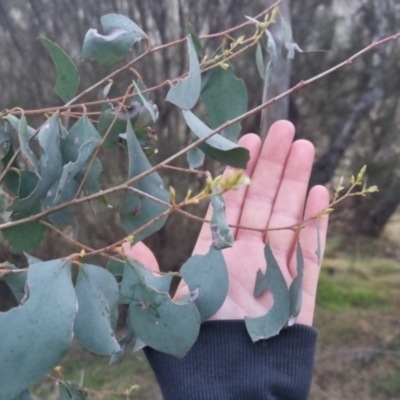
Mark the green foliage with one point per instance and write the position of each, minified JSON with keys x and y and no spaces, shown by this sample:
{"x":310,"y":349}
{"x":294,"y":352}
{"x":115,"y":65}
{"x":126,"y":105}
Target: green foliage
{"x":57,"y":168}
{"x":220,"y":231}
{"x":40,"y":330}
{"x":136,"y":210}
{"x":67,"y":74}
{"x":120,"y":35}
{"x":225,"y":98}
{"x":278,"y":316}
{"x":186,"y":92}
{"x":98,"y":294}
{"x":207,"y":276}
{"x":217,"y":147}
{"x":163,"y":324}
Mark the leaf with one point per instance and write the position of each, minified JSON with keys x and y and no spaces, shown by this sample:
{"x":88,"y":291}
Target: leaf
{"x":25,"y":395}
{"x":260,"y":61}
{"x":146,"y":104}
{"x":277,"y":317}
{"x":67,"y":82}
{"x":271,"y":50}
{"x":25,"y":237}
{"x":195,"y":158}
{"x":97,"y":293}
{"x":4,"y":137}
{"x":107,"y":89}
{"x":225,"y":98}
{"x":217,"y":147}
{"x":289,"y":46}
{"x":49,"y":167}
{"x":36,"y":336}
{"x":77,"y":149}
{"x":16,"y":283}
{"x":318,"y":251}
{"x":222,"y":236}
{"x":255,"y":21}
{"x":120,"y":35}
{"x":160,"y":283}
{"x":137,"y":210}
{"x":195,"y":39}
{"x":12,"y":178}
{"x":24,"y":138}
{"x":13,"y":121}
{"x":116,"y":268}
{"x":186,"y":92}
{"x":209,"y":275}
{"x":164,"y":325}
{"x":296,"y":288}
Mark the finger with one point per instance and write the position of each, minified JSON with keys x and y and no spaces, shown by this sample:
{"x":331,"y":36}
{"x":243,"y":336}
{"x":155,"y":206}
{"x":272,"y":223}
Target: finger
{"x":265,"y":180}
{"x":318,"y":200}
{"x":141,"y":253}
{"x":233,"y":198}
{"x":288,"y":208}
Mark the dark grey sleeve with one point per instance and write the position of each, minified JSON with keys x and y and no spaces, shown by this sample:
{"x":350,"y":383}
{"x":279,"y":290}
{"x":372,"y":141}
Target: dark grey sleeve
{"x":224,"y":364}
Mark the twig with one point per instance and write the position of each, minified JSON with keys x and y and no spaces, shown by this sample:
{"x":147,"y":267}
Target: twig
{"x":255,"y":110}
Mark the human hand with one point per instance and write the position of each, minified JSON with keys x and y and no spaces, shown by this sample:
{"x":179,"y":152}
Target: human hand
{"x":279,"y":173}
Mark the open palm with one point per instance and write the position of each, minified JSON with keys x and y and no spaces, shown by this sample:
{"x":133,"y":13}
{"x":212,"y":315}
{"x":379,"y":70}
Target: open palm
{"x":279,"y":172}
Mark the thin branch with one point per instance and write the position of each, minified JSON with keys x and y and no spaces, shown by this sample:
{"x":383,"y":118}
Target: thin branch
{"x":97,"y":150}
{"x":193,"y":145}
{"x":148,"y":52}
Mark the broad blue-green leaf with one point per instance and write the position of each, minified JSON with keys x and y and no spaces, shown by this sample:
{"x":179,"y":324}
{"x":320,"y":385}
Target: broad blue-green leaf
{"x":217,"y":147}
{"x":136,"y":210}
{"x":50,"y":164}
{"x":97,"y":293}
{"x":26,"y":151}
{"x":12,"y":179}
{"x":271,"y":50}
{"x":195,"y":39}
{"x":36,"y":336}
{"x":225,"y":98}
{"x":16,"y":283}
{"x":296,"y":288}
{"x":25,"y":237}
{"x":60,"y":218}
{"x":148,"y":105}
{"x":141,"y":114}
{"x":195,"y":158}
{"x":260,"y":61}
{"x":186,"y":92}
{"x":67,"y":82}
{"x":120,"y":35}
{"x":222,"y":236}
{"x":14,"y":123}
{"x":77,"y":150}
{"x":4,"y":137}
{"x":107,"y":89}
{"x":161,"y":283}
{"x":32,"y":259}
{"x":289,"y":46}
{"x":25,"y":395}
{"x":116,"y":268}
{"x":277,"y":317}
{"x":318,"y":250}
{"x":164,"y":325}
{"x":207,"y":274}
